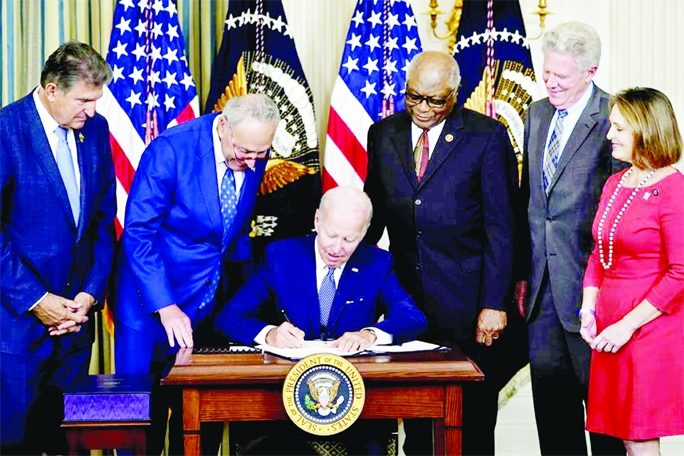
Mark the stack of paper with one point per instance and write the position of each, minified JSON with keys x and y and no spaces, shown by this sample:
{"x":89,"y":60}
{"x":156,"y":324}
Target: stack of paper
{"x":314,"y":347}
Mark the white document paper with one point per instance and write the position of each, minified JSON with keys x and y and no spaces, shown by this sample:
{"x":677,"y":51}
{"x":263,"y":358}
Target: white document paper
{"x":407,"y":347}
{"x":315,"y":347}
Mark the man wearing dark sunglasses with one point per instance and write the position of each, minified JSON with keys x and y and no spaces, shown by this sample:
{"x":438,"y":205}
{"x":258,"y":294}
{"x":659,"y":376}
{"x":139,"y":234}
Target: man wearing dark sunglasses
{"x":441,"y":179}
{"x":188,"y":216}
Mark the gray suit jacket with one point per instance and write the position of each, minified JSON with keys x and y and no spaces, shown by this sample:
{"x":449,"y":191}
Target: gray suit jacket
{"x":559,"y":225}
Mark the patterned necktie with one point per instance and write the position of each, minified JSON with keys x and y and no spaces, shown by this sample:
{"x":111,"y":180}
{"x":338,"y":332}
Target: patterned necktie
{"x":421,"y":154}
{"x":326,"y":295}
{"x":228,"y":200}
{"x":66,"y":168}
{"x":553,"y":150}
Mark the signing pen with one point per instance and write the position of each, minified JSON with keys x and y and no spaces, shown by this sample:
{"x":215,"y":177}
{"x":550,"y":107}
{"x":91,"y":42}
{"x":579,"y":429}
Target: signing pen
{"x":282,"y":311}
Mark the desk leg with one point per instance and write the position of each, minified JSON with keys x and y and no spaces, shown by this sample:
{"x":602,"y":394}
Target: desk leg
{"x":191,"y":422}
{"x":453,"y":421}
{"x":439,"y":438}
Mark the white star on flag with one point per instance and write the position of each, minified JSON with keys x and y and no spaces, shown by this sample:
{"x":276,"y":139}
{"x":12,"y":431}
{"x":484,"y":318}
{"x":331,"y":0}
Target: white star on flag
{"x":377,"y":37}
{"x":133,"y":95}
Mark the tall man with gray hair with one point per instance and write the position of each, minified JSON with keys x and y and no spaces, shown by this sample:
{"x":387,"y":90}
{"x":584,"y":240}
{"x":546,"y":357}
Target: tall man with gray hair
{"x":567,"y":159}
{"x":57,"y":236}
{"x":188,"y":214}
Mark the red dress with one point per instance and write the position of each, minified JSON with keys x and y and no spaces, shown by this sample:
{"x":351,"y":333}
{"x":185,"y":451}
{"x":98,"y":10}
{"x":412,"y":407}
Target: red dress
{"x":638,"y":392}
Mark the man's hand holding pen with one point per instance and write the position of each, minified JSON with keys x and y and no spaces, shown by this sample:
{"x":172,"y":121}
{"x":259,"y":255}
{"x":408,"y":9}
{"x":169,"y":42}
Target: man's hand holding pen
{"x":286,"y":335}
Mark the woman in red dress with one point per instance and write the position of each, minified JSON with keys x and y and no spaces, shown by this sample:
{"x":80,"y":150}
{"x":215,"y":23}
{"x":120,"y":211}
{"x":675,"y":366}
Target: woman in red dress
{"x":632,"y":310}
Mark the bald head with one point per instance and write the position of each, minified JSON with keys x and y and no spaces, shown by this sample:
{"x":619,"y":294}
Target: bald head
{"x":431,"y":86}
{"x":341,"y":221}
{"x":435,"y":65}
{"x":348,"y":201}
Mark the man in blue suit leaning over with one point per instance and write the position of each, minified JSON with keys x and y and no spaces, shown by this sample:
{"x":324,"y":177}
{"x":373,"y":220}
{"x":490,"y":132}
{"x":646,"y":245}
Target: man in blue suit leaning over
{"x":329,"y":286}
{"x":57,"y":237}
{"x":188,"y":213}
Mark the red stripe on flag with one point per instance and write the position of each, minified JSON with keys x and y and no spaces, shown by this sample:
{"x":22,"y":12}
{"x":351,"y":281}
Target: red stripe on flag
{"x":118,"y":227}
{"x":328,"y":181}
{"x":122,"y":167}
{"x":186,"y":114}
{"x":347,"y":143}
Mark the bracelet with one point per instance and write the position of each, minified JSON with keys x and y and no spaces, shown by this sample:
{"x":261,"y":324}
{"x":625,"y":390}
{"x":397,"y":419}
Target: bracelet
{"x":586,"y":310}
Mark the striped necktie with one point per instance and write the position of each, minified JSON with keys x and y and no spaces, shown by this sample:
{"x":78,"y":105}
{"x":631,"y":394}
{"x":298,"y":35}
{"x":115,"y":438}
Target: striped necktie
{"x":421,"y":154}
{"x":553,"y":150}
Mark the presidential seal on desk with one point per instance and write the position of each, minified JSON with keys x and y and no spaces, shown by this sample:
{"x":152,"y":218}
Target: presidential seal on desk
{"x":323,"y":394}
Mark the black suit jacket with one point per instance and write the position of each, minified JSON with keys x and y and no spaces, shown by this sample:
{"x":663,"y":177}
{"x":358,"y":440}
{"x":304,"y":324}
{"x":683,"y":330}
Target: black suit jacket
{"x":452,"y":234}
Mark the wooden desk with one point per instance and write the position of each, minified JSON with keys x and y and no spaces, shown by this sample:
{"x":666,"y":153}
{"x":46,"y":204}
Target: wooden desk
{"x":248,"y":387}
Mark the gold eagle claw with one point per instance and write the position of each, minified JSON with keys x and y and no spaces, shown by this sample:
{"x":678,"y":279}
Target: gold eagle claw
{"x":280,"y":172}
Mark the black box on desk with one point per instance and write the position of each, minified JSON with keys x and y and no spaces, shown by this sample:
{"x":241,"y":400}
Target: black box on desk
{"x":109,"y":398}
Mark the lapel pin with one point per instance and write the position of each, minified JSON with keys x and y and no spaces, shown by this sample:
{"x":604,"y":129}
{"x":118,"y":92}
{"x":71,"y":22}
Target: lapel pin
{"x":449,"y":137}
{"x":656,"y":192}
{"x":355,"y":270}
{"x":647,"y":195}
{"x":81,"y":138}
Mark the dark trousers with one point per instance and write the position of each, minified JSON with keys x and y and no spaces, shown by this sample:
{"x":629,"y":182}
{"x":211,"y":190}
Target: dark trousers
{"x":559,"y":363}
{"x":136,"y":353}
{"x":499,"y":363}
{"x":32,"y":391}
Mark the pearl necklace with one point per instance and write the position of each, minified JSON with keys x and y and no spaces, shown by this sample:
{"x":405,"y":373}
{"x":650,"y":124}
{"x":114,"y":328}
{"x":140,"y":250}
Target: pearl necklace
{"x":617,"y":218}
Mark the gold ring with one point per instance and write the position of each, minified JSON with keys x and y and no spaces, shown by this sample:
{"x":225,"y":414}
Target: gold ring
{"x":495,"y":337}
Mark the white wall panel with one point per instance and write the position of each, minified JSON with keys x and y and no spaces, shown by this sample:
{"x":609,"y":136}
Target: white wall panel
{"x":319,"y":28}
{"x":647,"y":40}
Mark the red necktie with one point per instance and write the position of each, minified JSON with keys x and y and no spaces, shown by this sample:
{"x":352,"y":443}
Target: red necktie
{"x":421,"y":154}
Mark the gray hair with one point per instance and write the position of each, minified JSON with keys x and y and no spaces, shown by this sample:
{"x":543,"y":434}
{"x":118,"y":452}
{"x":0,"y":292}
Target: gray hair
{"x":255,"y":105}
{"x":349,"y":199}
{"x":73,"y":62}
{"x":453,"y":72}
{"x":579,"y":40}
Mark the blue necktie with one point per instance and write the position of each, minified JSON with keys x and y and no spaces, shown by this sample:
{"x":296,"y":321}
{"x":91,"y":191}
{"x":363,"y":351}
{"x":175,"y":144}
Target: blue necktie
{"x":326,"y":295}
{"x":228,"y":200}
{"x":553,"y":151}
{"x":66,"y":168}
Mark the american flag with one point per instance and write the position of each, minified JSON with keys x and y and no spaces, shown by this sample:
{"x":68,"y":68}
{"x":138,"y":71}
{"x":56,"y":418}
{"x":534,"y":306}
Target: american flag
{"x":382,"y":40}
{"x":151,"y":89}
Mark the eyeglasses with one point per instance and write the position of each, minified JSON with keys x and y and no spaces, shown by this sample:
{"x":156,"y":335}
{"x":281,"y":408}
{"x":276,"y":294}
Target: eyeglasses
{"x":244,"y":154}
{"x":415,"y":99}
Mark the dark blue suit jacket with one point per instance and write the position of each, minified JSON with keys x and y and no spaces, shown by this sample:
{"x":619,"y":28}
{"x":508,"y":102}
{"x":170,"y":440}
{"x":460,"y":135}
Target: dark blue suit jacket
{"x":42,"y":248}
{"x":172,"y":240}
{"x":451,"y":235}
{"x":287,"y":282}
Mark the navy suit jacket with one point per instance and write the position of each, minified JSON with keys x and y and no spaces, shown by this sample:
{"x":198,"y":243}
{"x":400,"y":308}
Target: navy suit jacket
{"x":286,"y":282}
{"x":173,"y":235}
{"x":452,"y":234}
{"x":42,"y":248}
{"x":556,"y":229}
